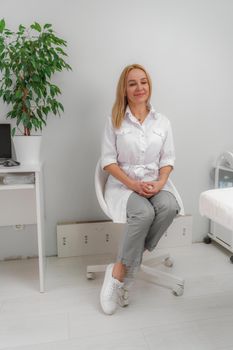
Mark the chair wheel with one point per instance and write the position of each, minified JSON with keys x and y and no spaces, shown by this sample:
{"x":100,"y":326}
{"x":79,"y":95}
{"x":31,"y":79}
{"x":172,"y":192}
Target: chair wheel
{"x":207,"y":240}
{"x":178,"y":290}
{"x":231,"y":259}
{"x":168,"y":262}
{"x":90,"y":275}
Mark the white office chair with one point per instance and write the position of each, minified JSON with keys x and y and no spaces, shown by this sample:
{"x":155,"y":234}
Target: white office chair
{"x":160,"y":277}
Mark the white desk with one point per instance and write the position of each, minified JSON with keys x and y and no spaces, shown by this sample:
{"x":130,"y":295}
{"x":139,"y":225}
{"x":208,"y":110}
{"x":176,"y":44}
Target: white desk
{"x":23,"y":204}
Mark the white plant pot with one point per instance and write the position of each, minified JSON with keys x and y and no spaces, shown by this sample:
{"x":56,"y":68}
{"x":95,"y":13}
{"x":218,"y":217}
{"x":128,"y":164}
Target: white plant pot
{"x":27,"y":149}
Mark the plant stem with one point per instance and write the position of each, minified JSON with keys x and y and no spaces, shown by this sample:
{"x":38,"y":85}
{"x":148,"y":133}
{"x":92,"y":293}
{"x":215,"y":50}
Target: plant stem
{"x":25,"y":110}
{"x":26,"y":131}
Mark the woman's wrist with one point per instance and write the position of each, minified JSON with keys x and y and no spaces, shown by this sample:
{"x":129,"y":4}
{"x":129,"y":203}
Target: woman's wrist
{"x":161,"y":183}
{"x":131,"y":184}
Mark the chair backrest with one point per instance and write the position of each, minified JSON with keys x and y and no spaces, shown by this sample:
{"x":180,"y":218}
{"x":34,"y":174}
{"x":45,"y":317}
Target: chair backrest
{"x":178,"y":197}
{"x":100,"y":181}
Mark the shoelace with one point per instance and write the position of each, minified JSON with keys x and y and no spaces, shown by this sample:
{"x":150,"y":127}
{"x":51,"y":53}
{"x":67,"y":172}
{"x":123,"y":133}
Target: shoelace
{"x":124,"y":293}
{"x":123,"y":297}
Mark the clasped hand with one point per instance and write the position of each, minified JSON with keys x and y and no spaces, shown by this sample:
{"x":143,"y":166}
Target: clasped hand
{"x":147,"y":188}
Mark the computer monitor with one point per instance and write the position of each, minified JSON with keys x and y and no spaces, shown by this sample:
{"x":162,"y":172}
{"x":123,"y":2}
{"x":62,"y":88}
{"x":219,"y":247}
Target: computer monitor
{"x":5,"y":141}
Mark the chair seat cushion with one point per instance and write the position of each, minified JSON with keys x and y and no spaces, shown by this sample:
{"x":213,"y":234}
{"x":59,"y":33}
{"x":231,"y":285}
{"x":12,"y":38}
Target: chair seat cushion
{"x":217,"y":205}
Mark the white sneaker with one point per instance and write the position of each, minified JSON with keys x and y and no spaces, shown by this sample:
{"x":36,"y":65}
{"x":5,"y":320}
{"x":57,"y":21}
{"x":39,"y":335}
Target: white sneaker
{"x":108,"y":295}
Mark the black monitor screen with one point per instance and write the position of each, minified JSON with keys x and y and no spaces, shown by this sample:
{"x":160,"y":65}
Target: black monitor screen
{"x":5,"y":141}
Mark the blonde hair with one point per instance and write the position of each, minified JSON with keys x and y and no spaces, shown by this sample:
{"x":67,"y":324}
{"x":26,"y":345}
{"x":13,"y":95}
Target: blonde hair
{"x":120,"y":104}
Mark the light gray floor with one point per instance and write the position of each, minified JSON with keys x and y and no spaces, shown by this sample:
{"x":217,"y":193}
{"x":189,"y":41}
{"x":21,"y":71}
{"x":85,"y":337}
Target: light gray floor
{"x":68,"y":315}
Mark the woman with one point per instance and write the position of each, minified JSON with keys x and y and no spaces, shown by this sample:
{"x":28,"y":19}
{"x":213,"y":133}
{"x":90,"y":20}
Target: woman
{"x":138,"y":154}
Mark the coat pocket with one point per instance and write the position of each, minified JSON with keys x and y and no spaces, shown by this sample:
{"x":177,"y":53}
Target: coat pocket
{"x":159,"y":132}
{"x":123,"y":132}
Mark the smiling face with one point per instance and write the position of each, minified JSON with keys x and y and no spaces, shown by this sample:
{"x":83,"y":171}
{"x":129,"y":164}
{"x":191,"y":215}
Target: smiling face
{"x":137,"y":87}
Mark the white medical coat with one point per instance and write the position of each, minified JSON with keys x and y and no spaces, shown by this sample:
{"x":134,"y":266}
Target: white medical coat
{"x":140,"y":151}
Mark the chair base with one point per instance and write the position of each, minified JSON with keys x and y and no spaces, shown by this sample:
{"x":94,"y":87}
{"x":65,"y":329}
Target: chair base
{"x":159,"y":277}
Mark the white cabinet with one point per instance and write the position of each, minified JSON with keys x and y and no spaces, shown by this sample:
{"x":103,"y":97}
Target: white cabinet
{"x":223,"y":179}
{"x":23,"y":204}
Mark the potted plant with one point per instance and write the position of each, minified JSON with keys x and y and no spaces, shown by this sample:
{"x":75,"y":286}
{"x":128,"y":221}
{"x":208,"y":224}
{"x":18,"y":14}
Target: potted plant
{"x":29,"y":58}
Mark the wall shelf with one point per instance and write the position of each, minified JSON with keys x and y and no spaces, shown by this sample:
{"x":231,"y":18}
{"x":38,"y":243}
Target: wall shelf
{"x":17,"y":187}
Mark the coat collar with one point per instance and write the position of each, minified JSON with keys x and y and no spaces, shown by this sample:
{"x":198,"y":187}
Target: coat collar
{"x":152,"y":112}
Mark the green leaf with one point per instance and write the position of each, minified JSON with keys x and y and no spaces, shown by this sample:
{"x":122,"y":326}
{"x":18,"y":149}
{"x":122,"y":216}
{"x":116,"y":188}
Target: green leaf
{"x":33,"y":63}
{"x":48,"y":71}
{"x":9,"y":114}
{"x":52,"y":92}
{"x":61,"y":51}
{"x":39,"y":113}
{"x":36,"y":26}
{"x":45,"y":110}
{"x":25,"y":116}
{"x":8,"y":82}
{"x":2,"y":25}
{"x":18,"y":120}
{"x":28,"y":104}
{"x":21,"y":29}
{"x":61,"y":106}
{"x":47,"y":25}
{"x":7,"y":32}
{"x":19,"y":94}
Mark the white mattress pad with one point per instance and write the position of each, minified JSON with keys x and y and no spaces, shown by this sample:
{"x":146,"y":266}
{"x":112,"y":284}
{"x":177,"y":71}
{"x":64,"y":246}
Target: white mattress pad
{"x":217,"y":205}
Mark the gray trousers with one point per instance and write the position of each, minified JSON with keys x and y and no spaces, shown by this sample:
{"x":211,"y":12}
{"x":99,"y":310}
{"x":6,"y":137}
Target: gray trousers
{"x":147,"y":220}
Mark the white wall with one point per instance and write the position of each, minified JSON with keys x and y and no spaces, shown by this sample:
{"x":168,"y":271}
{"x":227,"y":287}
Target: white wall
{"x":186,"y":45}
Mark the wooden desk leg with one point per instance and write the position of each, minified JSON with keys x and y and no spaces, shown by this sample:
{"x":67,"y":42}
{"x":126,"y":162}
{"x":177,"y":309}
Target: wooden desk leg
{"x":40,"y":228}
